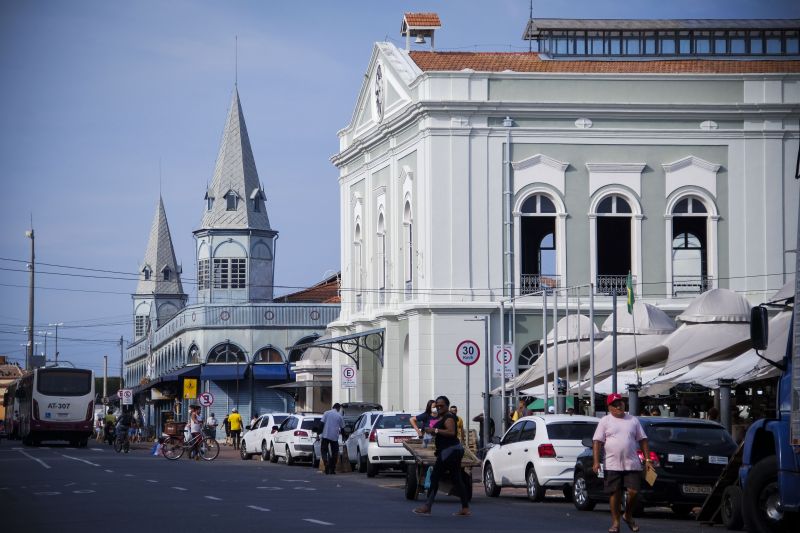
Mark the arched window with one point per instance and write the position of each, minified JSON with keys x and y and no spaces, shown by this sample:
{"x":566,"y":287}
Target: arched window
{"x":231,"y":201}
{"x":528,"y":355}
{"x":226,"y":353}
{"x":167,"y":273}
{"x":193,"y":355}
{"x":689,"y":254}
{"x":146,"y":272}
{"x":613,"y":243}
{"x":297,"y":353}
{"x":408,"y":251}
{"x":268,"y":355}
{"x":537,"y":233}
{"x":380,"y":258}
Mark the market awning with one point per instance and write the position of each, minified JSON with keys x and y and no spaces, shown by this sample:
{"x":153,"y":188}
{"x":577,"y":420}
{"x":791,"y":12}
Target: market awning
{"x":222,"y":372}
{"x":301,"y":385}
{"x":270,"y":371}
{"x":185,"y":372}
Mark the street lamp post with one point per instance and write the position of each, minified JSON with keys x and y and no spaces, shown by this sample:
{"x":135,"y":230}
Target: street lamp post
{"x":56,"y":326}
{"x":44,"y":334}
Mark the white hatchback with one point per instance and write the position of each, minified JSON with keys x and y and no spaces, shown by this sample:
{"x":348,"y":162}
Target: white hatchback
{"x":258,"y":438}
{"x":358,"y":440}
{"x":538,"y":453}
{"x":295,"y":438}
{"x":380,"y":446}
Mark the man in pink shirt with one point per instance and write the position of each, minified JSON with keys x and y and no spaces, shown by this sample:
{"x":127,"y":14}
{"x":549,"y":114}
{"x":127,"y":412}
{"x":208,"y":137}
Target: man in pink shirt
{"x":621,"y":434}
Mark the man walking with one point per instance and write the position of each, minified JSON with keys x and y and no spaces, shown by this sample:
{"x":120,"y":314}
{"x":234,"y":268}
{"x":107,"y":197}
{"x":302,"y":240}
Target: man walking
{"x":332,"y":424}
{"x":459,"y":424}
{"x":621,"y":434}
{"x":235,"y":421}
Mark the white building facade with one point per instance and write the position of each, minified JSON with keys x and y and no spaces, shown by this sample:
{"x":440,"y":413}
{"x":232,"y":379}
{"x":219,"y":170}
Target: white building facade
{"x":470,"y":178}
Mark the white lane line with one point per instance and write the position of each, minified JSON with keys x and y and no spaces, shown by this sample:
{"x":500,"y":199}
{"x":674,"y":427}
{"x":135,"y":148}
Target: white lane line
{"x":110,"y":471}
{"x":296,"y":480}
{"x":49,"y":493}
{"x":179,"y":488}
{"x":152,"y":481}
{"x":70,"y":484}
{"x":320,"y":522}
{"x":81,"y":460}
{"x":213,"y":498}
{"x":29,"y":456}
{"x":257,"y":508}
{"x":96,"y":449}
{"x":83,"y":491}
{"x":129,"y":475}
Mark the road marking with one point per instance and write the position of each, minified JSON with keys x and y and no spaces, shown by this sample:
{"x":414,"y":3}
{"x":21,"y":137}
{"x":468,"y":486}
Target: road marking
{"x":129,"y":475}
{"x":270,"y":488}
{"x":96,"y":449}
{"x":29,"y":456}
{"x":52,"y":493}
{"x":70,"y":484}
{"x":213,"y":498}
{"x":83,"y":491}
{"x":152,"y":481}
{"x":257,"y":508}
{"x":304,"y":488}
{"x":179,"y":488}
{"x":320,"y":522}
{"x":81,"y":460}
{"x":110,"y":471}
{"x":296,"y":480}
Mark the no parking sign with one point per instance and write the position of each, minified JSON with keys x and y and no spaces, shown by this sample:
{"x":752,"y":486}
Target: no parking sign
{"x":206,"y":399}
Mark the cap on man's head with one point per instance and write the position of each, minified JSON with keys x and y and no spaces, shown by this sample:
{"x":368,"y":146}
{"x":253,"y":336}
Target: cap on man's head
{"x":234,"y":410}
{"x":613,"y":397}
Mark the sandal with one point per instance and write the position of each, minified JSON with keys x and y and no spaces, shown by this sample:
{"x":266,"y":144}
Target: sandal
{"x":632,"y":525}
{"x":463,"y":512}
{"x":613,"y":529}
{"x":421,"y":510}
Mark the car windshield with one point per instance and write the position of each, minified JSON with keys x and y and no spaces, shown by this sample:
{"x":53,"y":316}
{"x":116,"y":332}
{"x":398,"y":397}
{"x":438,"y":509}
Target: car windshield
{"x":570,"y":430}
{"x":65,"y":382}
{"x":310,"y":423}
{"x":688,"y":434}
{"x":399,"y":421}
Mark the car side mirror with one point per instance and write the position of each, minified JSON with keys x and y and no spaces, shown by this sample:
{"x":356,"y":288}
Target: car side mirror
{"x":247,"y":427}
{"x":759,"y":327}
{"x":587,"y":442}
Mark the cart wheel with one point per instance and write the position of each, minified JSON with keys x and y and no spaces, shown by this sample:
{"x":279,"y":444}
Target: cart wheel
{"x":411,"y":483}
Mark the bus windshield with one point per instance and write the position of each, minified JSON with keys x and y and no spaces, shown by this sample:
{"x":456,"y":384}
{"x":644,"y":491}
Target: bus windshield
{"x":64,"y":382}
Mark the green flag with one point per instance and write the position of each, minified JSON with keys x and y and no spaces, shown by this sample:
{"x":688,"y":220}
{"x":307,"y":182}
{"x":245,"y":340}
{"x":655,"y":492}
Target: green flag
{"x":629,"y":286}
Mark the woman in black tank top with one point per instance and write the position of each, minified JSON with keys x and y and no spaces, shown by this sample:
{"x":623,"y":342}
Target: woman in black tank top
{"x":449,"y":452}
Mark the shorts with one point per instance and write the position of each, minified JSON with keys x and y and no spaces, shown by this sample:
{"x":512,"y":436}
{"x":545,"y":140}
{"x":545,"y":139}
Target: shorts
{"x":617,"y":479}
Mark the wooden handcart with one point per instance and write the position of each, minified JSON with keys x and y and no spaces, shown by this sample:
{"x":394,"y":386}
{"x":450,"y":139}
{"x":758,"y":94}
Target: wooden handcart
{"x":423,"y":459}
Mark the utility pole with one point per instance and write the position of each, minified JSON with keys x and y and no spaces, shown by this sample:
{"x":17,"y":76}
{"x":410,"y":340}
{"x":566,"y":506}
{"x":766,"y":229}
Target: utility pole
{"x":32,"y":268}
{"x":45,"y":334}
{"x":105,"y":376}
{"x":121,"y":373}
{"x":56,"y":326}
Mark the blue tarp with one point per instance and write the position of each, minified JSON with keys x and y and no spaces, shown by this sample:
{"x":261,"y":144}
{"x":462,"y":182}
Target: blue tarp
{"x":223,"y":371}
{"x":270,"y":371}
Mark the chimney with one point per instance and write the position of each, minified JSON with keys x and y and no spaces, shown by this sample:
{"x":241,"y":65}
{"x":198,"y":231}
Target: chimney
{"x":419,"y":26}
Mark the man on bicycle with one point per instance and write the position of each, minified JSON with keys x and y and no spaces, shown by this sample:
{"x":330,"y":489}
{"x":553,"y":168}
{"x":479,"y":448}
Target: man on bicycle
{"x":196,"y":428}
{"x":123,"y":425}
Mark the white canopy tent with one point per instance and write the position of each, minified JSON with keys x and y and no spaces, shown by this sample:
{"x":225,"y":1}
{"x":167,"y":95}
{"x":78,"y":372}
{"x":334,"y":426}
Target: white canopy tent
{"x":715,"y":326}
{"x":646,"y":328}
{"x":624,"y":378}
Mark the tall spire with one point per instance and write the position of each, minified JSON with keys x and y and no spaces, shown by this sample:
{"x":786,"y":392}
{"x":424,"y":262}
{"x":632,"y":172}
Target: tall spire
{"x":235,"y":175}
{"x":159,"y":273}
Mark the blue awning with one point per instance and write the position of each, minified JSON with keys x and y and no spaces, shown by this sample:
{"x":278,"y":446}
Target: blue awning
{"x":218,"y":372}
{"x":270,"y":371}
{"x":185,"y":372}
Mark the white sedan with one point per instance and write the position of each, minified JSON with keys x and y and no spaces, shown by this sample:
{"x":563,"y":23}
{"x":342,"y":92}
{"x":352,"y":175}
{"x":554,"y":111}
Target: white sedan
{"x":380,"y":446}
{"x":538,"y":453}
{"x":258,"y":438}
{"x":358,"y":440}
{"x":295,"y":438}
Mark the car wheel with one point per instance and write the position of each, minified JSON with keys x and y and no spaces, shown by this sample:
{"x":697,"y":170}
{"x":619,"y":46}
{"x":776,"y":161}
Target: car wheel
{"x":362,"y":462}
{"x":264,"y":452}
{"x":731,"y":508}
{"x":761,"y":498}
{"x":243,"y":452}
{"x":372,"y":469}
{"x":580,"y":493}
{"x":289,"y":458}
{"x":272,"y":457}
{"x":535,"y":490}
{"x":490,"y":487}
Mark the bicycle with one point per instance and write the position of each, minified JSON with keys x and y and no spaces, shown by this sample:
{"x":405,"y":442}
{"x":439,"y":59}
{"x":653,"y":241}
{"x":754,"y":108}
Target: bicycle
{"x":206,"y":446}
{"x":121,"y":442}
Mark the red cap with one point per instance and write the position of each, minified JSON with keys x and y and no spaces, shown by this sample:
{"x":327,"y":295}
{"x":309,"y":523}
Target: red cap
{"x":613,"y":397}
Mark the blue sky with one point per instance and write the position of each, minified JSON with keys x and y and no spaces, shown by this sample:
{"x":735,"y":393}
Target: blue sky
{"x":96,"y":93}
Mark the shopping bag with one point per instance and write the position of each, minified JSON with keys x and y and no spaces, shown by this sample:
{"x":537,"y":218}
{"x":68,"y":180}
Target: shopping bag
{"x":427,"y":483}
{"x":650,"y":474}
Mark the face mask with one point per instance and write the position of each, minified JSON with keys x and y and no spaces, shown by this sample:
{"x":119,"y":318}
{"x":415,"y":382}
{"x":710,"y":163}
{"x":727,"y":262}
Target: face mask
{"x":434,"y":411}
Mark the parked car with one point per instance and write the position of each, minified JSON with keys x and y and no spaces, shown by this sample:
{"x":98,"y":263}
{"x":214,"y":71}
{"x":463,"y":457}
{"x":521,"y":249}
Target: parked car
{"x":538,"y":453}
{"x":358,"y":439}
{"x":380,"y":446}
{"x":688,"y":455}
{"x":351,"y":411}
{"x":295,"y":437}
{"x":258,"y":437}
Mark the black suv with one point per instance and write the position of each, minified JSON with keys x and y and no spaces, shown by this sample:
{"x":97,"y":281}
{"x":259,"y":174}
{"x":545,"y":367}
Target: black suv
{"x":688,"y":455}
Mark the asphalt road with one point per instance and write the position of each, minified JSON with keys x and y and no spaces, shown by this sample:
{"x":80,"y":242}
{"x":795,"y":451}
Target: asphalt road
{"x":62,"y":489}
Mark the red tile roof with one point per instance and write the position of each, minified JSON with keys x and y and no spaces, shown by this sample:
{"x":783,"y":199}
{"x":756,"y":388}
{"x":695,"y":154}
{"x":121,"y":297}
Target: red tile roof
{"x":325,"y":292}
{"x":423,"y":19}
{"x":530,"y":62}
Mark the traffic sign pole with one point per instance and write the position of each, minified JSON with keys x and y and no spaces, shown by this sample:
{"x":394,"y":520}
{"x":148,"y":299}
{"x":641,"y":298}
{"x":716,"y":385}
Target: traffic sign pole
{"x":468,"y":352}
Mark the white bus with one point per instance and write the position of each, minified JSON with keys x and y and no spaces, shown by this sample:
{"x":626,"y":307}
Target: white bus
{"x":56,"y":403}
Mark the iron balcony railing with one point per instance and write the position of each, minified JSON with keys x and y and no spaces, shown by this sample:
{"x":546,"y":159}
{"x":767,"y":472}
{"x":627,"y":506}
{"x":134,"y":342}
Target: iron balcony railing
{"x":612,"y":284}
{"x":532,"y":283}
{"x":691,"y":284}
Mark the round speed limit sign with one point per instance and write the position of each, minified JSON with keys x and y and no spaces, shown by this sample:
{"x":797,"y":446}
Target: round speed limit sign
{"x":468,"y":352}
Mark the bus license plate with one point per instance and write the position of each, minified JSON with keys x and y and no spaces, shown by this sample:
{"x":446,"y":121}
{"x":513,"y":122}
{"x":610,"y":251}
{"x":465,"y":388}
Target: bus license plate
{"x":696,"y":489}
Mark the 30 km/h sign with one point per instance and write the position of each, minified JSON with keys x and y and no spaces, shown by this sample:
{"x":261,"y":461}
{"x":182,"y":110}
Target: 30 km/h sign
{"x":206,"y":399}
{"x":468,"y":352}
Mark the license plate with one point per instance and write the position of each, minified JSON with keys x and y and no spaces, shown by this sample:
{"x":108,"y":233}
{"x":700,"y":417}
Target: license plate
{"x":675,"y":458}
{"x":402,"y":439}
{"x":696,"y":489}
{"x":717,"y":460}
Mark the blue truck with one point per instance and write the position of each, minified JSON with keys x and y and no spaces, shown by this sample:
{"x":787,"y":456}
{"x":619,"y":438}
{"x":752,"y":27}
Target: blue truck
{"x":769,"y":477}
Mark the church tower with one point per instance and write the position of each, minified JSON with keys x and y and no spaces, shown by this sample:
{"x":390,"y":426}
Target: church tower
{"x":159,"y":293}
{"x":235,"y":244}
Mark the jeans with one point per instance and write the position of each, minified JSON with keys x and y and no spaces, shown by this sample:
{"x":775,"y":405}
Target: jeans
{"x":453,"y":465}
{"x":330,"y":454}
{"x":235,"y":434}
